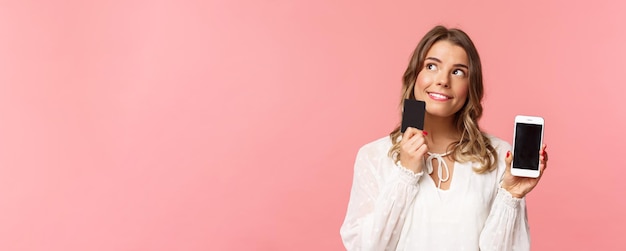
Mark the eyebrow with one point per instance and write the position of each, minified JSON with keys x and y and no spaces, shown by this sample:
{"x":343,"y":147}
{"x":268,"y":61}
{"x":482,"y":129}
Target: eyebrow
{"x":439,"y":61}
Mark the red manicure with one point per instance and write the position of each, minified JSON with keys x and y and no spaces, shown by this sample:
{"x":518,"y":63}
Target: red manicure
{"x":424,"y":133}
{"x":508,"y":153}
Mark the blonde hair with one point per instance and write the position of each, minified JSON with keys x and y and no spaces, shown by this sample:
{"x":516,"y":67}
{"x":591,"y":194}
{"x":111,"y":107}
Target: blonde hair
{"x":473,"y":145}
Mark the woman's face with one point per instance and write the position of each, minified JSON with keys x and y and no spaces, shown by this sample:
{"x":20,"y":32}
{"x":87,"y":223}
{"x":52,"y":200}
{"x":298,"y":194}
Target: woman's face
{"x":444,"y":81}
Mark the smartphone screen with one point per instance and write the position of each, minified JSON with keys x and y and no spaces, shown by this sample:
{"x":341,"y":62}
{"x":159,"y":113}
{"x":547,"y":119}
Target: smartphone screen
{"x":527,"y":145}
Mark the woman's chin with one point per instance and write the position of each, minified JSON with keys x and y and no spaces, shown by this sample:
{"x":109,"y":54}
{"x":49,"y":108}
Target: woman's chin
{"x":440,"y":114}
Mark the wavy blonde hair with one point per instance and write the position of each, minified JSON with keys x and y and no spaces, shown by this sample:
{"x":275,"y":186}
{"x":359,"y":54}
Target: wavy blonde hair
{"x":473,"y":145}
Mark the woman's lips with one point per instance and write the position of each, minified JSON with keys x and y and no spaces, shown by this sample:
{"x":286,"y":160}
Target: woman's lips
{"x":438,"y":96}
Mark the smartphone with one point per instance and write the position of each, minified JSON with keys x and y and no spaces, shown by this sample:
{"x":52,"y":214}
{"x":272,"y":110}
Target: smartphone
{"x":527,"y":141}
{"x":413,"y":114}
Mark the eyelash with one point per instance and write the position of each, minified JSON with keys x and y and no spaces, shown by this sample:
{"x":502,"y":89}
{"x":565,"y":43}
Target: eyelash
{"x":455,"y":72}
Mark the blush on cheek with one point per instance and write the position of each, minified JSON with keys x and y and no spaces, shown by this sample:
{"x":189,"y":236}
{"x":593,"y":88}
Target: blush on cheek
{"x":465,"y":90}
{"x":420,"y":84}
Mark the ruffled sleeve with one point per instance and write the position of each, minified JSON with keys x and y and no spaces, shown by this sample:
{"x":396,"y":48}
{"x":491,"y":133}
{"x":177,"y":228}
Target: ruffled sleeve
{"x":506,"y":227}
{"x":378,"y":205}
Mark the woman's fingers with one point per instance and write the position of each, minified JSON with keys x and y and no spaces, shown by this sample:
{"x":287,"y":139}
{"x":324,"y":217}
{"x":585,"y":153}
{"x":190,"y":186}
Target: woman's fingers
{"x":520,"y":186}
{"x":412,"y":149}
{"x":413,"y":140}
{"x":422,"y":150}
{"x":407,"y":135}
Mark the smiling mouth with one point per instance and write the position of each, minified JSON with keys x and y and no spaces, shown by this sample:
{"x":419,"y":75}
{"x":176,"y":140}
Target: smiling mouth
{"x":438,"y":96}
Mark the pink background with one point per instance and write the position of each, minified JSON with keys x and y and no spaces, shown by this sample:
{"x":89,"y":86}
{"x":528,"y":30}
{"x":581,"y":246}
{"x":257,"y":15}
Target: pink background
{"x":233,"y":125}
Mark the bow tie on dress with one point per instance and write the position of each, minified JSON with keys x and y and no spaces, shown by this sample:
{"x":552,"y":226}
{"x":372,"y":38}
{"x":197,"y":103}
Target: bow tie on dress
{"x":440,"y":162}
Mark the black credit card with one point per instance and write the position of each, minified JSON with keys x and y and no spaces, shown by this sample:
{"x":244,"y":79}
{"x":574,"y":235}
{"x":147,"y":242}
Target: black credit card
{"x":413,"y":114}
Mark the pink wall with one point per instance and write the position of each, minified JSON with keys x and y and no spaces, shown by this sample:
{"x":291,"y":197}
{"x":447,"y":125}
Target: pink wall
{"x":233,"y":125}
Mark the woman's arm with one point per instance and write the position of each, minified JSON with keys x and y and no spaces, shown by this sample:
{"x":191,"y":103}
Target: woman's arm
{"x":506,"y":227}
{"x":377,"y":209}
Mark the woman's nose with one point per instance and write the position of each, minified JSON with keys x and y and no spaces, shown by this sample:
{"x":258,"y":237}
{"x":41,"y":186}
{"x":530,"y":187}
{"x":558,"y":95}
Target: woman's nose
{"x":443,"y":80}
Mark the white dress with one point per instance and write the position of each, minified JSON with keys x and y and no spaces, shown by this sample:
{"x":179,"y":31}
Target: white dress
{"x":391,"y":208}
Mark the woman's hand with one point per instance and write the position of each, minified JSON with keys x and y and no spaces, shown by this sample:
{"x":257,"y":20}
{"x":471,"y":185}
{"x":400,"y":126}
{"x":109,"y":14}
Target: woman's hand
{"x":520,"y":186}
{"x":412,"y":149}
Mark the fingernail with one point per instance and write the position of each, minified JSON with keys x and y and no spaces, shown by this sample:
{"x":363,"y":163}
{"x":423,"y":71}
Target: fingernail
{"x":424,"y":133}
{"x":508,"y":153}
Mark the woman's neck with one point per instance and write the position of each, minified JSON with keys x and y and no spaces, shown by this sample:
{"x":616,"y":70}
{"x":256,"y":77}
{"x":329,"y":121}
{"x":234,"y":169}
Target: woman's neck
{"x":441,"y":133}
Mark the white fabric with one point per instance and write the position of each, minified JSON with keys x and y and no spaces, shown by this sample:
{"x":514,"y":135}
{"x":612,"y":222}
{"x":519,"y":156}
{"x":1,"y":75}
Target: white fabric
{"x":392,"y":208}
{"x":441,"y":166}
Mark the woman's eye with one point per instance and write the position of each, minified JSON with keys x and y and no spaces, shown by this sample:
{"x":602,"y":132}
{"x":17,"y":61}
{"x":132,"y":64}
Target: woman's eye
{"x":431,"y":67}
{"x":458,"y":73}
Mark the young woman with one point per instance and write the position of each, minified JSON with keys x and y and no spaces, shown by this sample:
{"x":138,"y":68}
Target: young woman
{"x":448,"y":187}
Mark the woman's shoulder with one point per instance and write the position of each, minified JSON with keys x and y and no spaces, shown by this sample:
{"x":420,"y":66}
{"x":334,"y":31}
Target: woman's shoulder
{"x":376,"y":152}
{"x":378,"y":145}
{"x":498,"y":143}
{"x":501,"y":147}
